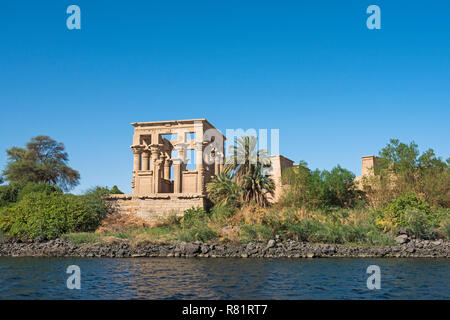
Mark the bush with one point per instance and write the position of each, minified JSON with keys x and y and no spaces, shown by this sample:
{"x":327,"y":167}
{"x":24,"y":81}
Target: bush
{"x":397,"y":208}
{"x":44,"y":211}
{"x":194,"y":216}
{"x":444,"y":229}
{"x":41,"y":187}
{"x":418,"y":224}
{"x":319,"y":189}
{"x":48,"y":216}
{"x":9,"y":193}
{"x":222,"y":213}
{"x":256,"y":232}
{"x":197,"y":233}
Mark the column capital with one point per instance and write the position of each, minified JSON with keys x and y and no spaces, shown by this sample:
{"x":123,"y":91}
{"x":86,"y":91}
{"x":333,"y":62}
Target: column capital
{"x":137,"y":149}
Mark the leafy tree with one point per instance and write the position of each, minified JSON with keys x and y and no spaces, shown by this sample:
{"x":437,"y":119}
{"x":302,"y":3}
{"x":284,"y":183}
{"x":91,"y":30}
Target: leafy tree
{"x":9,"y":193}
{"x":243,"y":179}
{"x":256,"y":186}
{"x":245,"y":156}
{"x":319,"y":189}
{"x":115,"y":190}
{"x":401,"y":169}
{"x":42,"y":160}
{"x":222,"y":190}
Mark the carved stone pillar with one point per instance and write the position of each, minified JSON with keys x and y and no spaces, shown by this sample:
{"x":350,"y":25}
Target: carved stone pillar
{"x":137,"y":150}
{"x":145,"y":161}
{"x":181,"y":149}
{"x":200,"y":171}
{"x":156,"y":167}
{"x":167,"y":164}
{"x":177,"y":175}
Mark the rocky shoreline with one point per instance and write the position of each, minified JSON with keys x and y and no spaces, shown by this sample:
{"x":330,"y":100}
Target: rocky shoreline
{"x":275,"y":248}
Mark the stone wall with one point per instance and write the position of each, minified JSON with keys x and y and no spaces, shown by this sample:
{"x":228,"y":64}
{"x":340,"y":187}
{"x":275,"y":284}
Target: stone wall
{"x":156,"y":207}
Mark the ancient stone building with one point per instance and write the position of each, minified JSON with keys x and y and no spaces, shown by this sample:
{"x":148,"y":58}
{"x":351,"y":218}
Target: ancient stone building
{"x":165,"y":180}
{"x":162,"y":183}
{"x":278,"y":164}
{"x":368,"y":164}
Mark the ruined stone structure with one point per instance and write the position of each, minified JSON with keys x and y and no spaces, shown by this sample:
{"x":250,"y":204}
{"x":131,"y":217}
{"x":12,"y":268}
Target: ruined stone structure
{"x":368,"y":165}
{"x":162,"y":184}
{"x":278,"y":164}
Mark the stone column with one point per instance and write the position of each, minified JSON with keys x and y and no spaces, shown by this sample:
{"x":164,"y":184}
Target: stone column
{"x":137,"y":150}
{"x":167,"y":164}
{"x":177,"y":175}
{"x":145,"y":161}
{"x":200,"y":171}
{"x":156,"y":166}
{"x":181,"y":149}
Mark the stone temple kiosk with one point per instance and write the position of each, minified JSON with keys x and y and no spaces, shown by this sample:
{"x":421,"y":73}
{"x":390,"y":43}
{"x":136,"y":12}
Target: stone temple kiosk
{"x":162,"y":183}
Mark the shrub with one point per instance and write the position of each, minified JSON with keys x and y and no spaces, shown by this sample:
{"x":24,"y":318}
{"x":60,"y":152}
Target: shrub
{"x":197,"y":233}
{"x":223,"y":191}
{"x":194,"y":216}
{"x":40,"y":187}
{"x":256,"y":232}
{"x":222,"y":213}
{"x":115,"y":190}
{"x":49,"y":215}
{"x":418,"y":224}
{"x":408,"y":201}
{"x":319,"y":189}
{"x":9,"y":193}
{"x":444,"y":229}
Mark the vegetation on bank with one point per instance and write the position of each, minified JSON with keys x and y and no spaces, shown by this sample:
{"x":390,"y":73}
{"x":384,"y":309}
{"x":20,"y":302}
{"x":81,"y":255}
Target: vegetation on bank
{"x":409,"y":193}
{"x":34,"y":205}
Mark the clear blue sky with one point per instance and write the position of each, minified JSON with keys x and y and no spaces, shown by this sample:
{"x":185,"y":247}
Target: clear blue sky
{"x":312,"y":69}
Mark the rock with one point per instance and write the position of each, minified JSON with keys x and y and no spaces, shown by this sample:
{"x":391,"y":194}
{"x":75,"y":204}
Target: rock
{"x":204,"y":249}
{"x":244,"y":255}
{"x":411,"y":250}
{"x":437,"y":243}
{"x":401,"y":239}
{"x":270,"y":244}
{"x":310,"y":255}
{"x":189,"y":248}
{"x":250,"y":246}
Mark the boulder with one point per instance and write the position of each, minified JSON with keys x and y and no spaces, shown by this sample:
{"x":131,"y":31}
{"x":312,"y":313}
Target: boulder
{"x":270,"y":244}
{"x":401,"y":239}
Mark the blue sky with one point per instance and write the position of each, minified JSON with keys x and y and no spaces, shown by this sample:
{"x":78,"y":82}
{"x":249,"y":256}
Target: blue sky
{"x":335,"y":89}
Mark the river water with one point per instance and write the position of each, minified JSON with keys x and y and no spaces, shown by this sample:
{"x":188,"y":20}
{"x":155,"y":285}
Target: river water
{"x":180,"y":278}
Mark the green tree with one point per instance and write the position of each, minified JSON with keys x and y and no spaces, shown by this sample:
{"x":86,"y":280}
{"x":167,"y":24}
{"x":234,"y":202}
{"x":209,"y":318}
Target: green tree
{"x":244,"y":156}
{"x":223,"y":191}
{"x":42,"y":160}
{"x":256,"y":187}
{"x":401,"y":168}
{"x":319,"y":189}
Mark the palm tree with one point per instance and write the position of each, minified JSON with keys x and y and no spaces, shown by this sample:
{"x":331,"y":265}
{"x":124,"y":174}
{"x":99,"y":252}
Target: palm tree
{"x":223,"y":191}
{"x":245,"y":156}
{"x":256,"y":186}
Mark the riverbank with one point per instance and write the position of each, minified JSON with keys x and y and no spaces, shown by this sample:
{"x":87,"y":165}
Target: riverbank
{"x":274,"y":248}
